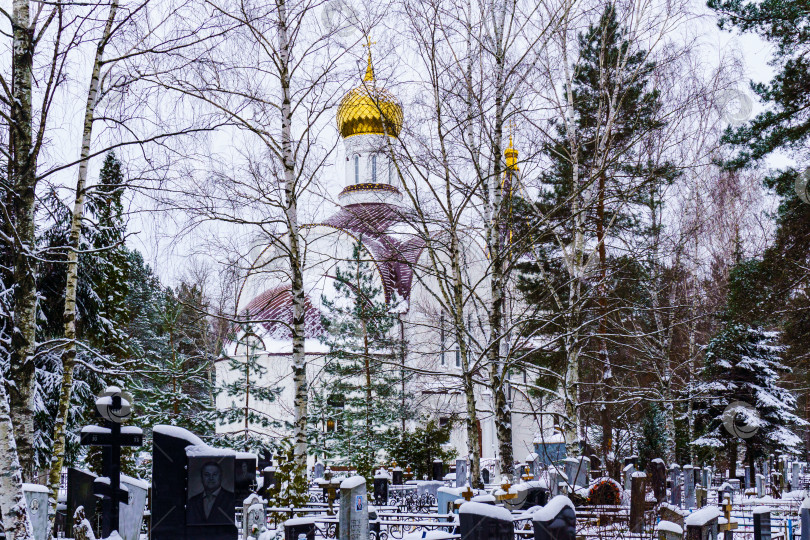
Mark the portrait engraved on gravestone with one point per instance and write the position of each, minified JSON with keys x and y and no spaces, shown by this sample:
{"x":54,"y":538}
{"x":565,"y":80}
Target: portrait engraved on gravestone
{"x":210,"y":491}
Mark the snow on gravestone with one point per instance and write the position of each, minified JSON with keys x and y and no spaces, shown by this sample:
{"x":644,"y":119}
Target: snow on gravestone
{"x":557,"y":520}
{"x":170,"y":495}
{"x":353,"y":522}
{"x":702,"y":524}
{"x":659,"y":479}
{"x":480,"y":521}
{"x":461,"y":473}
{"x":130,"y":515}
{"x":36,"y":498}
{"x":689,"y":486}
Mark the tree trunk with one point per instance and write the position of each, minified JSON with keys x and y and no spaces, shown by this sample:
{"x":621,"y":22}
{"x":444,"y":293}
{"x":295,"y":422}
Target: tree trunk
{"x":16,"y":524}
{"x":23,"y":179}
{"x":299,"y":365}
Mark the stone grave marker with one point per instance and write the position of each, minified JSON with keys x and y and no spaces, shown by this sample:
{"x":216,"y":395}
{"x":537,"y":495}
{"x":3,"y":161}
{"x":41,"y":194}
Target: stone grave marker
{"x":461,"y":473}
{"x":431,"y":487}
{"x":557,"y":520}
{"x":317,"y":470}
{"x":296,"y":527}
{"x":485,"y":522}
{"x":794,"y":475}
{"x":701,"y":495}
{"x":628,"y":471}
{"x":445,"y":498}
{"x":381,"y":481}
{"x":130,"y":515}
{"x":689,"y":487}
{"x":353,"y":520}
{"x":438,"y":469}
{"x":637,"y":501}
{"x":244,"y":475}
{"x":672,"y":514}
{"x":659,"y":479}
{"x":396,"y":476}
{"x":705,"y":477}
{"x":669,"y":531}
{"x":36,"y":498}
{"x":760,"y":482}
{"x":79,"y":493}
{"x":533,"y":459}
{"x":702,"y":525}
{"x":485,"y":476}
{"x":180,"y":458}
{"x":762,"y":523}
{"x":254,"y":517}
{"x":748,"y":478}
{"x":675,"y":484}
{"x":804,"y":516}
{"x":576,"y":469}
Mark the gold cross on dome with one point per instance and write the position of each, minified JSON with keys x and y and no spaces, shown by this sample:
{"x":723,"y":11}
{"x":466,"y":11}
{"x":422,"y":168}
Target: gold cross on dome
{"x":370,"y":68}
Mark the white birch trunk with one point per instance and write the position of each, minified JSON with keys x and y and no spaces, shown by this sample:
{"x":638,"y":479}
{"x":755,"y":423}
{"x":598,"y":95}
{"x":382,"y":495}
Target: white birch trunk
{"x":69,"y":354}
{"x":16,"y":524}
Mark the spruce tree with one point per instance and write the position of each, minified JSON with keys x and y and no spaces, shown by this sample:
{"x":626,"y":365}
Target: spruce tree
{"x":743,"y":364}
{"x":362,"y":384}
{"x":653,"y":442}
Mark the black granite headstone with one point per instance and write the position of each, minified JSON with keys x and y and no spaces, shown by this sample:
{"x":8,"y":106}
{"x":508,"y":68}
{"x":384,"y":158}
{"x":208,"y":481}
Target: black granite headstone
{"x":170,"y":500}
{"x":269,"y":478}
{"x":244,"y":476}
{"x":381,"y":491}
{"x":762,"y":525}
{"x":535,"y":496}
{"x":438,"y":469}
{"x":556,"y":521}
{"x":397,"y":476}
{"x":485,"y":475}
{"x":659,"y":479}
{"x":79,"y":493}
{"x":480,"y":521}
{"x":294,"y":528}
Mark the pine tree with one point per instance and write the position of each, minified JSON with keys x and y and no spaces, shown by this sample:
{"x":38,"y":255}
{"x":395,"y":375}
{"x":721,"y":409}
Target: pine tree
{"x":362,"y":379}
{"x":420,"y":446}
{"x":245,"y":394}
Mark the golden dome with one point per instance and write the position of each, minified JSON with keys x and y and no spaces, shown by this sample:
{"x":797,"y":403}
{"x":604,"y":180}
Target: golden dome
{"x":511,"y":156}
{"x":363,"y":109}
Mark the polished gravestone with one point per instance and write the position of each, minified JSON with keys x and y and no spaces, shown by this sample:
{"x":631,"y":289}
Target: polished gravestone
{"x":297,"y":527}
{"x":762,"y":523}
{"x":175,"y":516}
{"x":689,"y":486}
{"x":254,"y":517}
{"x":702,"y":525}
{"x":628,"y":471}
{"x":438,"y":469}
{"x":659,"y":479}
{"x":318,"y":470}
{"x":576,"y":469}
{"x":396,"y":476}
{"x":479,"y":521}
{"x":557,"y":520}
{"x":675,"y":484}
{"x":79,"y":493}
{"x":381,"y":481}
{"x":353,"y":520}
{"x":244,"y":475}
{"x":36,"y":499}
{"x":637,"y":501}
{"x":461,"y":473}
{"x":130,"y":515}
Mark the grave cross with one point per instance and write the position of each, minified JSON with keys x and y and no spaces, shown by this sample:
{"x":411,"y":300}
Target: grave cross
{"x":467,"y":493}
{"x":114,"y":408}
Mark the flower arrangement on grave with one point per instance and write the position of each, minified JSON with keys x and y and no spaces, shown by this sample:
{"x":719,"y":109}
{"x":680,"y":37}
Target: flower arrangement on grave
{"x":604,"y":492}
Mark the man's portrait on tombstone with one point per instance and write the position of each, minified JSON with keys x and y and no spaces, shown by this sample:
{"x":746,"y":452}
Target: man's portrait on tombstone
{"x":210,"y":491}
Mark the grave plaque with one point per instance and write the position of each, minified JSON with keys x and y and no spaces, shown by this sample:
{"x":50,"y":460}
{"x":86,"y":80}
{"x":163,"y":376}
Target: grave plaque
{"x":353,"y":524}
{"x":36,"y":498}
{"x":461,"y":473}
{"x":484,"y":522}
{"x":211,"y":499}
{"x":659,"y":479}
{"x":557,"y":520}
{"x":130,"y":515}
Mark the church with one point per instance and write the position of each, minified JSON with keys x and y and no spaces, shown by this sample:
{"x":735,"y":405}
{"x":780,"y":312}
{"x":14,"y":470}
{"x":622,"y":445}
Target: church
{"x":372,"y":211}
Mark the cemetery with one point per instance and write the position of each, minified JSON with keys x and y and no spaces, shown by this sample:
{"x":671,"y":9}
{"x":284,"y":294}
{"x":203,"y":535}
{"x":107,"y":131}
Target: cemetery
{"x":200,"y":492}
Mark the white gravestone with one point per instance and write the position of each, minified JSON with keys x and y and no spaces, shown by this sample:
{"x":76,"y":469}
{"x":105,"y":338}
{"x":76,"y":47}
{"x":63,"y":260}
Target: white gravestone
{"x":36,"y":498}
{"x":353,"y":509}
{"x":253,"y":517}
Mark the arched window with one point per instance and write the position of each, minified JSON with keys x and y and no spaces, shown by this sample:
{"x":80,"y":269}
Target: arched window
{"x":373,"y":169}
{"x":356,"y":169}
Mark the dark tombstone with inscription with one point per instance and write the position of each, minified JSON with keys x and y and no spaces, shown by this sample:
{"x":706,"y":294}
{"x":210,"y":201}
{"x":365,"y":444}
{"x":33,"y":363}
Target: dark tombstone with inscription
{"x":79,"y":493}
{"x":268,"y":480}
{"x":659,"y":479}
{"x":557,"y":520}
{"x":637,"y":499}
{"x":480,"y":521}
{"x":381,"y":481}
{"x":244,"y":475}
{"x":294,"y":528}
{"x":762,"y":523}
{"x":396,"y":476}
{"x":192,"y":488}
{"x":485,"y":476}
{"x":438,"y":469}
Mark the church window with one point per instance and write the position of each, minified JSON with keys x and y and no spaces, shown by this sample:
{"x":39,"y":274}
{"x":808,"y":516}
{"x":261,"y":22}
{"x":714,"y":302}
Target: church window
{"x":373,"y":169}
{"x":458,"y":357}
{"x":356,"y":169}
